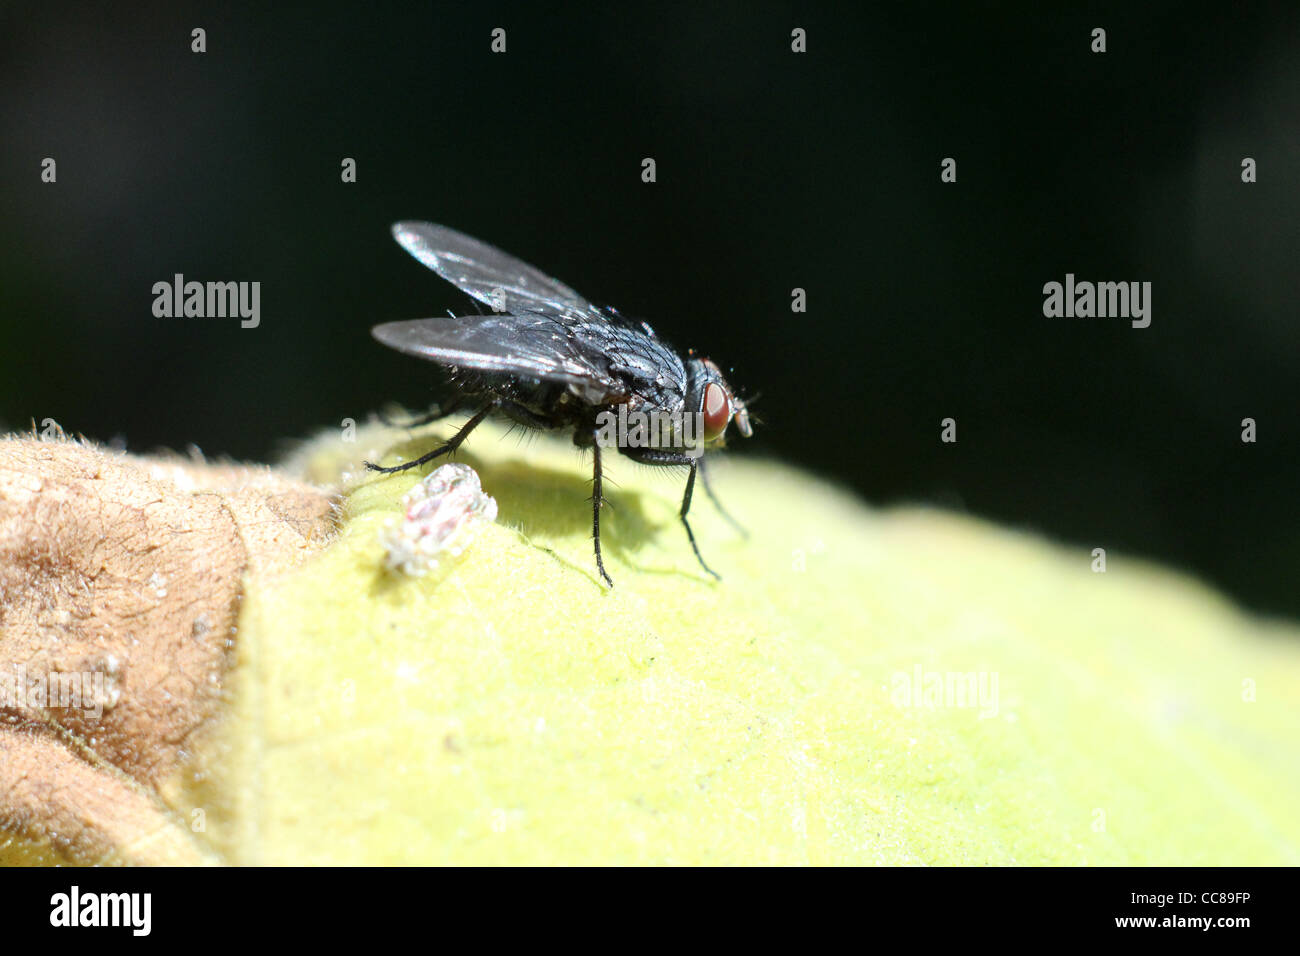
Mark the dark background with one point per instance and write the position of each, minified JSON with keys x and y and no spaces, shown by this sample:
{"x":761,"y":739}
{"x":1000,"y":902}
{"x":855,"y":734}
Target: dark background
{"x":775,"y":170}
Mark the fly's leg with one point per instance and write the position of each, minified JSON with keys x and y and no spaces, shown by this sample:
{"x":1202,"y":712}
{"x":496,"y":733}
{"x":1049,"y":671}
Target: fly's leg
{"x":596,"y":501}
{"x":654,"y":456}
{"x":708,"y":490}
{"x":449,"y":447}
{"x":686,"y":507}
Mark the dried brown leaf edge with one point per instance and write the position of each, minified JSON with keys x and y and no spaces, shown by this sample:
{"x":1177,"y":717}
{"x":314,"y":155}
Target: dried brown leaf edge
{"x":120,"y":587}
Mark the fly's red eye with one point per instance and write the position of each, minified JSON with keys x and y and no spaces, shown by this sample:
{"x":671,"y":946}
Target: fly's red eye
{"x":717,"y":411}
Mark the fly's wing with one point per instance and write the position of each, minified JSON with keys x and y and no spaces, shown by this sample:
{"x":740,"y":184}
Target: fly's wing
{"x":533,"y":346}
{"x":495,"y":278}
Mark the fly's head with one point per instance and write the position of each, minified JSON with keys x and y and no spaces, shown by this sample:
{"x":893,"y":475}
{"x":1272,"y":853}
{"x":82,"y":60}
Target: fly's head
{"x":709,"y":396}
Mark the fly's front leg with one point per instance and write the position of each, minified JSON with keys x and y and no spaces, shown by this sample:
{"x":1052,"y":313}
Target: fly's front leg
{"x":596,"y":500}
{"x":449,"y":447}
{"x":654,"y":456}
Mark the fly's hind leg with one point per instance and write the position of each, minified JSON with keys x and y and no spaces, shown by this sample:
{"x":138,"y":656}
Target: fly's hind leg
{"x":444,"y":449}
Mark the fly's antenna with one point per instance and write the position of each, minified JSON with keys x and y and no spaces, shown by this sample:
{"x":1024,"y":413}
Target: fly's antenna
{"x":749,"y":407}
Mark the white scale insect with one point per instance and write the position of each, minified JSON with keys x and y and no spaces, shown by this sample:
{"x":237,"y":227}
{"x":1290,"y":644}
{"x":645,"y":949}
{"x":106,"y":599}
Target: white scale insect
{"x":440,"y":517}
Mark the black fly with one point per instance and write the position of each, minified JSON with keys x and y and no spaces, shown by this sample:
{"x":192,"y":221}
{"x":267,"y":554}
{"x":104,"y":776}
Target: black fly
{"x":551,"y":359}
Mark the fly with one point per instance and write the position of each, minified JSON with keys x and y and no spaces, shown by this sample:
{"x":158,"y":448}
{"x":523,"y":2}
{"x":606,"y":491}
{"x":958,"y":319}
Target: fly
{"x":549,"y":359}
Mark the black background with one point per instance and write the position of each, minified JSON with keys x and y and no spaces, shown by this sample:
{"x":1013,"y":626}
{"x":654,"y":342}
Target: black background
{"x":775,"y":171}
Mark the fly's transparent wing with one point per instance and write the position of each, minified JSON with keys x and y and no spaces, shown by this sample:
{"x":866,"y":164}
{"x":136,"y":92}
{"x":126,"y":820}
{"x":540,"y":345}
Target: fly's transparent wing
{"x":495,"y":278}
{"x":533,"y":346}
